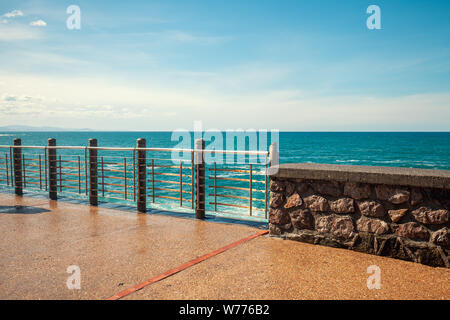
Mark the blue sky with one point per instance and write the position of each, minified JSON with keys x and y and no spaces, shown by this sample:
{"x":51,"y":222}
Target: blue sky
{"x":288,"y":65}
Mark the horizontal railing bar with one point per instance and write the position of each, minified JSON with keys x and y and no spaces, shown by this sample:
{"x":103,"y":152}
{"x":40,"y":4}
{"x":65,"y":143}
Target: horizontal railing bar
{"x":113,"y":157}
{"x":235,"y":179}
{"x":34,"y":165}
{"x":169,"y":160}
{"x":72,"y":174}
{"x":65,"y":186}
{"x":171,"y":174}
{"x":32,"y":159}
{"x":118,"y":163}
{"x":120,"y":178}
{"x":114,"y":184}
{"x":27,"y":147}
{"x":170,"y":182}
{"x":30,"y":176}
{"x":28,"y":187}
{"x":70,"y":155}
{"x":115,"y":170}
{"x":230,"y":205}
{"x":33,"y":171}
{"x":235,"y":188}
{"x":258,"y":209}
{"x":32,"y":182}
{"x":240,"y":214}
{"x":111,"y":148}
{"x":167,"y":166}
{"x":70,"y":168}
{"x":235,"y":206}
{"x":70,"y":161}
{"x":167,"y":189}
{"x":230,"y":170}
{"x":116,"y":191}
{"x":171,"y":198}
{"x":121,"y":199}
{"x":206,"y":151}
{"x":82,"y":193}
{"x":70,"y":180}
{"x":235,"y":197}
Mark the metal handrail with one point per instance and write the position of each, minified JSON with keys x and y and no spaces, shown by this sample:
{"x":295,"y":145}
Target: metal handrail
{"x":245,"y":152}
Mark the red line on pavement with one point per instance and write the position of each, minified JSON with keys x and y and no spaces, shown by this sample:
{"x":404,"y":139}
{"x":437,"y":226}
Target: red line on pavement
{"x":183,"y":267}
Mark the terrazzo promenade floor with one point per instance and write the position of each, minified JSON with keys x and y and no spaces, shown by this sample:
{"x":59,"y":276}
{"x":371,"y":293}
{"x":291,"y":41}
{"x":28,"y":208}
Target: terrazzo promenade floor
{"x":118,"y":249}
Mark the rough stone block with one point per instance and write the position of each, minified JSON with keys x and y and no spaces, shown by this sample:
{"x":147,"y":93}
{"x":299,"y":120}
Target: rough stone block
{"x":441,"y":237}
{"x":279,"y":217}
{"x":275,"y":200}
{"x":397,"y":215}
{"x":342,"y":227}
{"x":372,"y":225}
{"x":428,"y":216}
{"x":316,"y":203}
{"x":371,"y":209}
{"x":412,"y":230}
{"x":276,"y":186}
{"x":344,"y":205}
{"x":293,"y":201}
{"x":391,"y":194}
{"x":302,"y":219}
{"x":323,"y":223}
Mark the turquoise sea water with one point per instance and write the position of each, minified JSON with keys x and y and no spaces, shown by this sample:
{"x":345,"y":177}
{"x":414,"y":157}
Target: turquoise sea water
{"x":429,"y":150}
{"x":419,"y":150}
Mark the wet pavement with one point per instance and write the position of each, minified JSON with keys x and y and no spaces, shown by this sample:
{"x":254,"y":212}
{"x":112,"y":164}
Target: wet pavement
{"x":117,"y":249}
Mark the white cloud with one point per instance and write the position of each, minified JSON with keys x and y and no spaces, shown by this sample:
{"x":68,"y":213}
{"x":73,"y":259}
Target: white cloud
{"x":177,"y":36}
{"x":4,"y":21}
{"x":185,"y":37}
{"x":38,"y":23}
{"x":14,"y":13}
{"x":88,"y":102}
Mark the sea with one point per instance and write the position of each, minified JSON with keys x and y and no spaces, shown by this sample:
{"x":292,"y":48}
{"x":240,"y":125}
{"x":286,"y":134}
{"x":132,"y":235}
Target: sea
{"x":429,"y":150}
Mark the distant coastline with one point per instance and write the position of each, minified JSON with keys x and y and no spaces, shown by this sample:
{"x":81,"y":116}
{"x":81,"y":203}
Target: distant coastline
{"x":39,"y":129}
{"x":22,"y":128}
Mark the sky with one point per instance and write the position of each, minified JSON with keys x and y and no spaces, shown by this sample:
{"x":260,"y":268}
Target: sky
{"x":298,"y":65}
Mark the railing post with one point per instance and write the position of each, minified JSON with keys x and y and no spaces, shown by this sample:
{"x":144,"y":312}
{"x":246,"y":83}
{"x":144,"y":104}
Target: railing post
{"x":274,"y":159}
{"x":17,"y":155}
{"x":93,"y":173}
{"x":141,"y":176}
{"x":52,"y":170}
{"x":200,"y":192}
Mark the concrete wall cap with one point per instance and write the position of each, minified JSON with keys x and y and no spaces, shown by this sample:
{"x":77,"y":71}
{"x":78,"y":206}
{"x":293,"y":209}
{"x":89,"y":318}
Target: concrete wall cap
{"x":426,"y":178}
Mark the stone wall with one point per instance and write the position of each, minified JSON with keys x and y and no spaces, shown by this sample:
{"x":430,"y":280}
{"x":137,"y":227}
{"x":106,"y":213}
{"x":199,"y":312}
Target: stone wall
{"x":404,"y":221}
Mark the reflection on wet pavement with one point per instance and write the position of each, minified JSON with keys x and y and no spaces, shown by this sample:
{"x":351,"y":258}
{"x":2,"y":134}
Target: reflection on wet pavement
{"x":21,"y":210}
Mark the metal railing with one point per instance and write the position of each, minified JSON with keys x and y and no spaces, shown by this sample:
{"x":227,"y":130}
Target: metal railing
{"x":6,"y":169}
{"x":146,"y":177}
{"x":239,"y":184}
{"x":170,"y":180}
